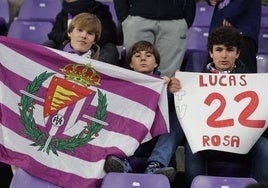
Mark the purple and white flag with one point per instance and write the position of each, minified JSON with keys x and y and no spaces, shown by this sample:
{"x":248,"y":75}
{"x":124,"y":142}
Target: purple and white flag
{"x":61,"y":115}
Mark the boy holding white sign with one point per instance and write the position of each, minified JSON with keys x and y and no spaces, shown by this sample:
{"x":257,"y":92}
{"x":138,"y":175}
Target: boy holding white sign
{"x":224,"y":49}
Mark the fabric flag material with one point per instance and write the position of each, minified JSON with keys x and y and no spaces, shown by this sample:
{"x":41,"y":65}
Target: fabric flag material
{"x":61,"y":115}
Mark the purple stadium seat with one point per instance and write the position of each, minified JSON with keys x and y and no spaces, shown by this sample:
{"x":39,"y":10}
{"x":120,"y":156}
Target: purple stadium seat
{"x":4,"y":11}
{"x":40,"y":10}
{"x":220,"y":182}
{"x":196,"y":49}
{"x":203,"y":14}
{"x":130,"y":180}
{"x":264,"y":10}
{"x":31,"y":31}
{"x":262,"y":63}
{"x":197,"y":38}
{"x":22,"y":179}
{"x":196,"y":61}
{"x":263,"y":41}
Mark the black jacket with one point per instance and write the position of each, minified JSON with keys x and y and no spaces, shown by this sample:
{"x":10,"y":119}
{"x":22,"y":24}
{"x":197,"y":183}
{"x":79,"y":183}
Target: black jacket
{"x":59,"y":31}
{"x":157,"y":9}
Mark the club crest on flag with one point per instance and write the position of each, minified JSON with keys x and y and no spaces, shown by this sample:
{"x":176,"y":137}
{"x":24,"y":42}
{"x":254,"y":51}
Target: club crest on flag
{"x":62,"y":95}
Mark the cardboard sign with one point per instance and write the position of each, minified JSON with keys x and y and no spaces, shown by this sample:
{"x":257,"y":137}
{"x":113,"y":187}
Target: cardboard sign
{"x":225,"y":112}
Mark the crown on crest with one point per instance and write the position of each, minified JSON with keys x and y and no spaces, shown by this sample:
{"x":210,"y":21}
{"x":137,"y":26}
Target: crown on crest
{"x":83,"y":74}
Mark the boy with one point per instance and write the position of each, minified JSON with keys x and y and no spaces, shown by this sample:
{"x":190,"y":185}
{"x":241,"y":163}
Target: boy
{"x":83,"y":32}
{"x":143,"y":57}
{"x":224,"y":49}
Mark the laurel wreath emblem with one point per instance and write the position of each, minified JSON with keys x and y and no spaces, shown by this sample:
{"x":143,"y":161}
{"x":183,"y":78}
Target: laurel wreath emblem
{"x":66,"y":145}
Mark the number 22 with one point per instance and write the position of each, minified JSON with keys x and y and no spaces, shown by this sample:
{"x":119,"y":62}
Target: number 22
{"x":213,"y":121}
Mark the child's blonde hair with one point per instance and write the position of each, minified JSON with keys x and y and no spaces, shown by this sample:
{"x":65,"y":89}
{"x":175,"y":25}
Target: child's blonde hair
{"x":88,"y":22}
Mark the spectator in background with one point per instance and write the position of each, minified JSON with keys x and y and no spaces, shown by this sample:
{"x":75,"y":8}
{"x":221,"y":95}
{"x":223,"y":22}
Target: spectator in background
{"x":224,"y":48}
{"x":244,"y":15}
{"x":163,"y":23}
{"x":107,"y":41}
{"x":84,"y":32}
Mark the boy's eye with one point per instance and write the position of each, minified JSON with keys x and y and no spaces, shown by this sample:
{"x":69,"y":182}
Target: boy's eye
{"x":137,"y":55}
{"x":230,"y":49}
{"x":90,"y":33}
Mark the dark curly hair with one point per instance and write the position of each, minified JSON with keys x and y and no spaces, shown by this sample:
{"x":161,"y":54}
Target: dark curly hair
{"x":227,"y":36}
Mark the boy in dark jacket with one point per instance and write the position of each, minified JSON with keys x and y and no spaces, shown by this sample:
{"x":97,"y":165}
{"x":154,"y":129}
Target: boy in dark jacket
{"x":224,"y":45}
{"x":70,"y":8}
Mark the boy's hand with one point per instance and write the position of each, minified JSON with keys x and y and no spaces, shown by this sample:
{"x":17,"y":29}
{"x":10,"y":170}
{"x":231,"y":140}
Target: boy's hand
{"x":174,"y":85}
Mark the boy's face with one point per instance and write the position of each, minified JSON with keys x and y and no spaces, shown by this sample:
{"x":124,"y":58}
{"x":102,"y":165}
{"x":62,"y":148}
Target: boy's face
{"x":143,"y":62}
{"x":81,"y":40}
{"x":224,"y":57}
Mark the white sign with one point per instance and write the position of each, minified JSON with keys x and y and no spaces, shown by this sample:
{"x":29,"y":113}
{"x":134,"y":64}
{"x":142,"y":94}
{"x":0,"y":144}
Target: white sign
{"x":225,"y":112}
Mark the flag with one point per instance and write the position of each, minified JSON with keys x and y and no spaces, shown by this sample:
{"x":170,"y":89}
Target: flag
{"x":61,"y":115}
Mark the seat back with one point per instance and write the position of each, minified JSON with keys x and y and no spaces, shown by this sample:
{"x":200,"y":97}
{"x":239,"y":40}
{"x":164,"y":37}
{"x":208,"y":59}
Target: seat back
{"x":40,"y":10}
{"x":196,"y":61}
{"x":220,"y":182}
{"x":134,"y":180}
{"x":197,"y":39}
{"x":4,"y":11}
{"x":203,"y":14}
{"x":264,"y":16}
{"x":31,"y":31}
{"x":263,"y":41}
{"x":262,"y":63}
{"x":22,"y":179}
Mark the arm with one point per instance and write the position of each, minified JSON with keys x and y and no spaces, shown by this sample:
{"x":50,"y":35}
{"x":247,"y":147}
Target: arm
{"x":59,"y":30}
{"x":122,"y":9}
{"x":189,"y":12}
{"x":233,"y":11}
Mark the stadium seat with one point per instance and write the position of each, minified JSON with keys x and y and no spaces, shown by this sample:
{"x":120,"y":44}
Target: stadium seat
{"x":263,"y":41}
{"x":262,"y":63}
{"x":203,"y":14}
{"x":196,"y":61}
{"x":220,"y":182}
{"x":197,"y":38}
{"x":31,"y":31}
{"x":264,"y":21}
{"x":129,"y":180}
{"x":22,"y":179}
{"x":4,"y":12}
{"x":196,"y":55}
{"x":40,"y":10}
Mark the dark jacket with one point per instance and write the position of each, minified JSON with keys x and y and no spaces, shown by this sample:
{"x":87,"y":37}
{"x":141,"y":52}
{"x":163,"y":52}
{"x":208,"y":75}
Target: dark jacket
{"x":157,"y":9}
{"x":59,"y":31}
{"x":239,"y":68}
{"x":244,"y":15}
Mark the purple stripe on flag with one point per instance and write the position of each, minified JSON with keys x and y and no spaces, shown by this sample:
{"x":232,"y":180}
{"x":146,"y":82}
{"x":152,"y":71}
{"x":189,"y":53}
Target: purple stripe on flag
{"x":48,"y":58}
{"x":84,"y":152}
{"x":52,"y":175}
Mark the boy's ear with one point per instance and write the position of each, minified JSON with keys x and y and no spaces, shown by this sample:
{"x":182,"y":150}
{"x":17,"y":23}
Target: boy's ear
{"x":69,"y":35}
{"x":130,"y":65}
